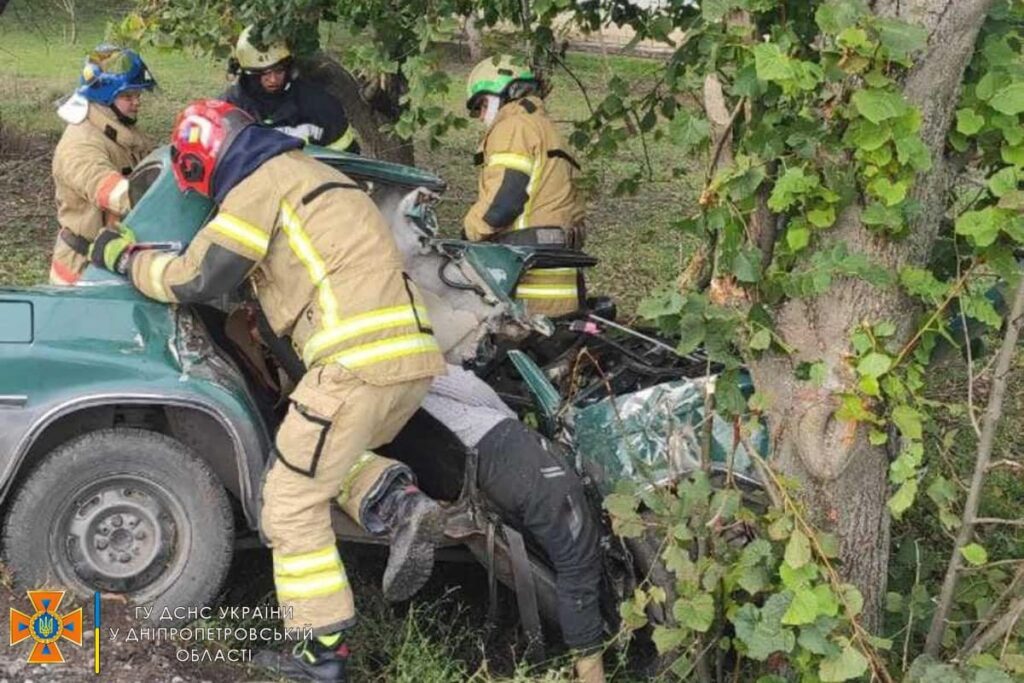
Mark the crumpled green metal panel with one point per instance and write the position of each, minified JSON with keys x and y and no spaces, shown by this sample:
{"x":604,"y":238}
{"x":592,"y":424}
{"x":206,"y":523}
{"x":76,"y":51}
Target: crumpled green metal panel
{"x":654,"y":435}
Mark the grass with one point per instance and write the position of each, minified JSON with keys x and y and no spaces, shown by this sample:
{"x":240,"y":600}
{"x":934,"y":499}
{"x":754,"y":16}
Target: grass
{"x":632,"y":235}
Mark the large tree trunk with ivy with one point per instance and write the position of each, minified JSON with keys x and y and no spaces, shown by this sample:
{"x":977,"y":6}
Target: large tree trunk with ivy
{"x":843,"y":477}
{"x":371,"y":107}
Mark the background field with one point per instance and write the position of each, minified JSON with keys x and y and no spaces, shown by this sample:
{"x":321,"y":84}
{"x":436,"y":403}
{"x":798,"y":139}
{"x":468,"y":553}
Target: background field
{"x":631,"y":235}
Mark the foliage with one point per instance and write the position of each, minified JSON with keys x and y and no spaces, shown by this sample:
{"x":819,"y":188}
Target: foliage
{"x":822,"y":137}
{"x":826,"y":137}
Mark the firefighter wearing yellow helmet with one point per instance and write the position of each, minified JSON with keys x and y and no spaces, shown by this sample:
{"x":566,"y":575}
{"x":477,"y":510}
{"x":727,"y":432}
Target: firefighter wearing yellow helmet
{"x":527,"y":194}
{"x":268,"y":86}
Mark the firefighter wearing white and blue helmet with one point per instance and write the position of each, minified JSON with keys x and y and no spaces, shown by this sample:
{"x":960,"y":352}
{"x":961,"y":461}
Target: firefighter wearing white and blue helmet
{"x":97,"y":151}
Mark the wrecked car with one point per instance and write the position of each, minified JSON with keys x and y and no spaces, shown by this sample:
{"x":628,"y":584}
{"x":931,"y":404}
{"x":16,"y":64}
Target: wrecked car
{"x":134,"y":434}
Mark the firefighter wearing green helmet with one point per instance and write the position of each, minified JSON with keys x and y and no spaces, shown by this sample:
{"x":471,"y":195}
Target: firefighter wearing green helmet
{"x":527,"y":194}
{"x":269,"y":87}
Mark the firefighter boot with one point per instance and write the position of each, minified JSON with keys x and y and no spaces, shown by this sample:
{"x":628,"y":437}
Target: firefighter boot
{"x":321,"y":660}
{"x":590,"y":669}
{"x":415,"y":525}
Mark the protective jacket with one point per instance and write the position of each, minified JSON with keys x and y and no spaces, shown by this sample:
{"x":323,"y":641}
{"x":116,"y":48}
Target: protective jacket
{"x":527,"y":197}
{"x":90,"y":166}
{"x":302,"y":110}
{"x":321,"y":263}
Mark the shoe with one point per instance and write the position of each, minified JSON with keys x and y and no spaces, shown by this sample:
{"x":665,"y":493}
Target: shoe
{"x":310,"y":660}
{"x":415,"y":525}
{"x":590,"y":669}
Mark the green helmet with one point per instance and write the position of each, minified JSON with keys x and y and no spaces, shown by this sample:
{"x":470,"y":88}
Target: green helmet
{"x":493,"y":76}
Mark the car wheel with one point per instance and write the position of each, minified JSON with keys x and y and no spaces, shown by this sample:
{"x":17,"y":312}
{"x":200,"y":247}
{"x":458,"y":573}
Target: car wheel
{"x":123,"y":511}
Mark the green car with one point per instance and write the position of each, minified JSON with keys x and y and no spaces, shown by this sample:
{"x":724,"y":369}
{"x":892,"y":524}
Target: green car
{"x":134,"y":435}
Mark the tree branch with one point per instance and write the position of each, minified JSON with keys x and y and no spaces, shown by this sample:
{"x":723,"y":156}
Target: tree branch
{"x":993,"y":414}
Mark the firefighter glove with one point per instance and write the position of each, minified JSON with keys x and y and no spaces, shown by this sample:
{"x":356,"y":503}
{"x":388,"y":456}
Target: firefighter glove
{"x":110,"y":250}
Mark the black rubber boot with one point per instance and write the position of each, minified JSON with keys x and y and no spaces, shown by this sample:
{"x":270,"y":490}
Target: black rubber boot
{"x":415,"y":526}
{"x":309,"y":660}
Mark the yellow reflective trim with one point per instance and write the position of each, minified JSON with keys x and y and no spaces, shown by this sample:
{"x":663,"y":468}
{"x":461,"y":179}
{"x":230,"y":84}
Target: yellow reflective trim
{"x":307,"y":563}
{"x":312,"y":586}
{"x":346,"y":486}
{"x":385,"y":349}
{"x":242,"y":232}
{"x":344,"y":142}
{"x":546,"y":292}
{"x":549,"y":277}
{"x":156,"y":275}
{"x":310,"y":259}
{"x":365,"y":323}
{"x":519,"y":162}
{"x":524,"y":217}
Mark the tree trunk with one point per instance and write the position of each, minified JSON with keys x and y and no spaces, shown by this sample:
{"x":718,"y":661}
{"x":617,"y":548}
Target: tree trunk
{"x":474,"y":39}
{"x":844,"y":478}
{"x":370,"y":107}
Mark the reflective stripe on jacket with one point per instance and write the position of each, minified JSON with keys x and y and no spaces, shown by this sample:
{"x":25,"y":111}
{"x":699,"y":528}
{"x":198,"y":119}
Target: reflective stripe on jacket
{"x":322,"y":263}
{"x":527,"y":175}
{"x":90,"y":165}
{"x":526,"y":188}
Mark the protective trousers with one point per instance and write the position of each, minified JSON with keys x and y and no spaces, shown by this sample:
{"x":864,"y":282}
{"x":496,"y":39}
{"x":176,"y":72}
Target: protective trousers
{"x":537,"y":492}
{"x":322,"y":456}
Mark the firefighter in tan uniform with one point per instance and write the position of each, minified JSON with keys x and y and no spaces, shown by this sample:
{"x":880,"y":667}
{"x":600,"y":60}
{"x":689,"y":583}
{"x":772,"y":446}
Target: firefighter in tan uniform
{"x":320,"y":260}
{"x":526,"y":190}
{"x":98,"y":149}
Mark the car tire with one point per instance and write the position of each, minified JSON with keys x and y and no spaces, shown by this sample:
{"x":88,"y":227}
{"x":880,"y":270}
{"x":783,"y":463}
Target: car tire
{"x":123,"y":511}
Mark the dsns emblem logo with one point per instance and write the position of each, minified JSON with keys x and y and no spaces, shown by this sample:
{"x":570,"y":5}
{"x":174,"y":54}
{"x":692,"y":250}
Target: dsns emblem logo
{"x":46,"y":627}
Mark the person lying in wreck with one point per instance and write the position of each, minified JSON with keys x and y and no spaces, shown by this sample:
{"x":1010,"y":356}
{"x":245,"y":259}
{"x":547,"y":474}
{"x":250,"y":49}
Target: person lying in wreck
{"x":533,"y":488}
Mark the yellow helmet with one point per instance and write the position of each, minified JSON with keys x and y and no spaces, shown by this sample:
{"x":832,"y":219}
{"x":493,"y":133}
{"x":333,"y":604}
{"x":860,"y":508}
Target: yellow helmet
{"x":249,"y":58}
{"x":493,"y":76}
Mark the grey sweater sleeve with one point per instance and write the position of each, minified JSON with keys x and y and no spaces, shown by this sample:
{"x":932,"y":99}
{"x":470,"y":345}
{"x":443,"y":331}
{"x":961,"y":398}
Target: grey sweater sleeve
{"x":466,"y":405}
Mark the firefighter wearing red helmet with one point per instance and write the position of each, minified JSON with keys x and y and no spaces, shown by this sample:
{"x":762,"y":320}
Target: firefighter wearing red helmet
{"x":320,"y":261}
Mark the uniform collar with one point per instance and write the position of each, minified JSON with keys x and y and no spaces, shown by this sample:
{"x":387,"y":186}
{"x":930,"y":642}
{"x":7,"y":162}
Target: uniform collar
{"x":105,"y":120}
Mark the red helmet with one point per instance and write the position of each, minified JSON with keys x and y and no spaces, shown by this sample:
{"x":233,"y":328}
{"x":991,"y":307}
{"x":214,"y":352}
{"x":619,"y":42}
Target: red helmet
{"x":202,"y":134}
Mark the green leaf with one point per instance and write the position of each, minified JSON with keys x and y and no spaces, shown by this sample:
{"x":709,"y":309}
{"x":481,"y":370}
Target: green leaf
{"x":798,"y":237}
{"x":822,"y":218}
{"x":867,"y":136}
{"x":974,"y":554}
{"x":667,"y":639}
{"x":688,"y":131}
{"x":697,"y":612}
{"x":903,"y":498}
{"x":772,"y":64}
{"x":912,"y":151}
{"x":877,"y":214}
{"x":761,"y":630}
{"x":891,"y":193}
{"x":761,"y":339}
{"x":848,"y":664}
{"x":969,"y":121}
{"x":746,"y":265}
{"x":1009,"y":100}
{"x":852,"y":599}
{"x":879,"y":105}
{"x":789,"y":188}
{"x":908,"y":421}
{"x":803,"y":609}
{"x":1003,"y":181}
{"x":900,"y":38}
{"x":814,"y":637}
{"x":874,"y":365}
{"x":981,"y":227}
{"x":716,"y":10}
{"x":798,"y":550}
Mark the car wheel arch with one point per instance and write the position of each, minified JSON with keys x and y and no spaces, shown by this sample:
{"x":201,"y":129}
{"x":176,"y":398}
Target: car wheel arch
{"x":188,"y":421}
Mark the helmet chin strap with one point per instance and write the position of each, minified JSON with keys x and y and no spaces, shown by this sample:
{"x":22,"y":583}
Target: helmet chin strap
{"x":491,"y":109}
{"x":126,"y":120}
